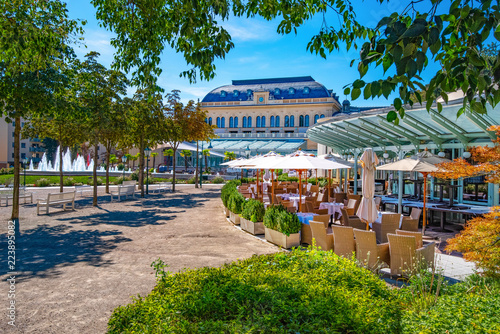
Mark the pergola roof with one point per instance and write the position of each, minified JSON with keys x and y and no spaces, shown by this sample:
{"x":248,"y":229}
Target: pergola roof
{"x":418,"y":129}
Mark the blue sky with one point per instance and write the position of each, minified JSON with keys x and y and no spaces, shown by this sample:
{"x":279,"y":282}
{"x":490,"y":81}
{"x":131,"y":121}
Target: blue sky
{"x":259,"y":52}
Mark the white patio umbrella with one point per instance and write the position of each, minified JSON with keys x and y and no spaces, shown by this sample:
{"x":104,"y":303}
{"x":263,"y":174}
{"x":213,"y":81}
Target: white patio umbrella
{"x":301,"y":162}
{"x":367,"y":210}
{"x":423,"y":162}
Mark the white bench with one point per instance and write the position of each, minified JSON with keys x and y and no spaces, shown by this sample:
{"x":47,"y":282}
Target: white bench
{"x":162,"y":186}
{"x":83,"y":188}
{"x":129,"y":183}
{"x":123,"y":191}
{"x":56,"y":199}
{"x":6,"y":195}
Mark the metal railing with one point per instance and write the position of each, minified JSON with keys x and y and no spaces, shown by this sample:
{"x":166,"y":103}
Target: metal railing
{"x":37,"y":149}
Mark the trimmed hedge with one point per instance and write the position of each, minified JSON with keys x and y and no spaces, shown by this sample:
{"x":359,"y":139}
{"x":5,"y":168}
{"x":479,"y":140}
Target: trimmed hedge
{"x":253,"y":210}
{"x":279,"y":219}
{"x":299,"y":292}
{"x":235,"y":202}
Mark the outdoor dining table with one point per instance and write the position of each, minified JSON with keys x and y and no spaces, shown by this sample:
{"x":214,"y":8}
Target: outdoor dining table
{"x":305,"y":217}
{"x":333,"y":208}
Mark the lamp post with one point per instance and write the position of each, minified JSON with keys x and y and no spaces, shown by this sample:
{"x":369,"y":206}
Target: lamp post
{"x":124,"y":160}
{"x":147,"y":153}
{"x":247,"y":152}
{"x":24,"y":164}
{"x":201,"y":163}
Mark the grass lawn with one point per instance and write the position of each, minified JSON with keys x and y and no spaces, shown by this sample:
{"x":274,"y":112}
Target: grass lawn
{"x":54,"y":179}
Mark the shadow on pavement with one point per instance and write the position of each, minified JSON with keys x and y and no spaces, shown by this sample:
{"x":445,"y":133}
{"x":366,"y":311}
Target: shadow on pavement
{"x":42,"y":250}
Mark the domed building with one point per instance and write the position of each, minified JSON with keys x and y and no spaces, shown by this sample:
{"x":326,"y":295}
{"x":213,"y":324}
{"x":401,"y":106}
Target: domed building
{"x":261,"y":115}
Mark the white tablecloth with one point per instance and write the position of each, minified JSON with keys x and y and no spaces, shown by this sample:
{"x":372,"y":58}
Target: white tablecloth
{"x":332,"y":207}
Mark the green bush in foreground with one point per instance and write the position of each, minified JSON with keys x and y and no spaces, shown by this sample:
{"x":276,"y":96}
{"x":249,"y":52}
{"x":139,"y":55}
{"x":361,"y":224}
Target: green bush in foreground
{"x":298,"y":292}
{"x":43,"y":182}
{"x":279,"y":219}
{"x":69,"y":181}
{"x":218,"y":180}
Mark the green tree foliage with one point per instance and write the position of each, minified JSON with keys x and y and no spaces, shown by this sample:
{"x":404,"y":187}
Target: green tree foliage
{"x":403,"y":43}
{"x":34,"y":45}
{"x":154,"y":155}
{"x":229,"y":155}
{"x":98,"y":90}
{"x":146,"y":123}
{"x":185,"y":154}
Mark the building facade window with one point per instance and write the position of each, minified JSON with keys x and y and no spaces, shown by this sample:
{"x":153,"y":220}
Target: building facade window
{"x":23,"y":155}
{"x":231,"y":123}
{"x":316,"y":117}
{"x":210,"y":120}
{"x":236,"y":93}
{"x":249,"y":122}
{"x":263,"y":121}
{"x":223,"y":93}
{"x":223,"y":122}
{"x":277,"y":91}
{"x":218,"y":122}
{"x":306,"y":90}
{"x":245,"y":122}
{"x":236,"y":122}
{"x":292,"y":121}
{"x":206,"y":120}
{"x":301,"y":120}
{"x":306,"y":123}
{"x":291,"y":90}
{"x":257,"y":122}
{"x":287,"y":121}
{"x":277,"y":121}
{"x":23,"y":145}
{"x":322,"y":116}
{"x":271,"y":124}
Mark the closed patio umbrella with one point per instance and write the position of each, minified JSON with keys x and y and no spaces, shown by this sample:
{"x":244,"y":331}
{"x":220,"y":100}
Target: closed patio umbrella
{"x":367,"y":210}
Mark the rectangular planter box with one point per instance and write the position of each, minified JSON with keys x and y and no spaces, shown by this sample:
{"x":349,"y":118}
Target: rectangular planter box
{"x":282,"y":240}
{"x":251,"y":227}
{"x":226,"y":211}
{"x":234,"y":218}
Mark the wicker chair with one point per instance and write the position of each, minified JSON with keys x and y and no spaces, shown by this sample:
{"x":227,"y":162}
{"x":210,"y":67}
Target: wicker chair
{"x":388,"y":224}
{"x":323,"y":240}
{"x":351,"y":207}
{"x":417,"y":235}
{"x":309,"y":207}
{"x":409,"y":225}
{"x":358,"y":201}
{"x":343,"y":241}
{"x":306,"y":234}
{"x":339,"y":197}
{"x":367,"y":250}
{"x":321,"y":211}
{"x":414,"y":214}
{"x":325,"y":219}
{"x":351,"y":221}
{"x":406,"y":258}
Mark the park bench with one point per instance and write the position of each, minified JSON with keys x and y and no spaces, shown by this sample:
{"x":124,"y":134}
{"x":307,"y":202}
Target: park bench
{"x":162,"y":186}
{"x":56,"y":199}
{"x":82,"y":188}
{"x":123,"y":191}
{"x":6,"y":195}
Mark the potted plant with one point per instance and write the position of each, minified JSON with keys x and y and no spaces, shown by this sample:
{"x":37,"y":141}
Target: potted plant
{"x":235,"y":203}
{"x":252,"y":217}
{"x":282,"y":227}
{"x":226,"y":191}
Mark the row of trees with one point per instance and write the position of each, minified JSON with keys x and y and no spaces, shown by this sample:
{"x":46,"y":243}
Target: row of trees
{"x":73,"y":101}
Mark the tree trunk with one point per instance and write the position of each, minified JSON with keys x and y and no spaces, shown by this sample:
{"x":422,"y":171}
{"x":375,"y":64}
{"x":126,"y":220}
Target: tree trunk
{"x":186,"y":164}
{"x":107,"y":168}
{"x":173,"y":171}
{"x":197,"y":166}
{"x":94,"y":172}
{"x":154,"y":161}
{"x":61,"y":180}
{"x":206,"y":162}
{"x":15,"y":199}
{"x":141,"y":166}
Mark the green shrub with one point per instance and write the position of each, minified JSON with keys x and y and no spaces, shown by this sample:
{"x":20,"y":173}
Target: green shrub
{"x":135,"y":175}
{"x":288,"y":223}
{"x":285,"y":177}
{"x":119,"y":180}
{"x":218,"y":179}
{"x":120,"y":166}
{"x":469,"y":307}
{"x":191,"y":180}
{"x":99,"y":181}
{"x":43,"y":182}
{"x":69,"y":181}
{"x":253,"y":210}
{"x":299,"y":292}
{"x":8,"y":170}
{"x":226,"y":191}
{"x":235,"y":202}
{"x":271,"y":215}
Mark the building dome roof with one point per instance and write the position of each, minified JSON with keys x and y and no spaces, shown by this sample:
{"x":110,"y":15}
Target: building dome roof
{"x":278,"y":88}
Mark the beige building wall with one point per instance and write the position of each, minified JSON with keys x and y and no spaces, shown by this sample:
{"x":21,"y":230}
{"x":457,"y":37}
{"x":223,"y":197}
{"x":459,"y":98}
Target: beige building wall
{"x":7,"y":144}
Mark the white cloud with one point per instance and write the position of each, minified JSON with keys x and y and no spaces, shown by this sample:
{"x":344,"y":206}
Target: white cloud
{"x":244,"y":30}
